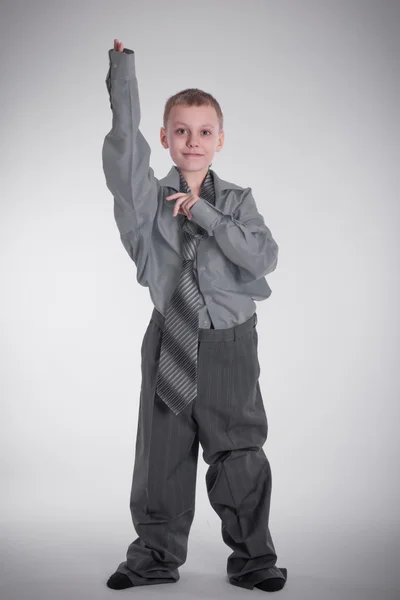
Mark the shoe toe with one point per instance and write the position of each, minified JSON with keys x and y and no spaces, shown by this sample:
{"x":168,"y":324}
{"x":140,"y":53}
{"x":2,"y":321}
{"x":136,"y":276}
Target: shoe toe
{"x":119,"y":581}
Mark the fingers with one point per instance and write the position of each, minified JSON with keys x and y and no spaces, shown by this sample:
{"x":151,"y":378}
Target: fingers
{"x":184,"y":207}
{"x":183,"y":210}
{"x":186,"y":212}
{"x":118,"y":46}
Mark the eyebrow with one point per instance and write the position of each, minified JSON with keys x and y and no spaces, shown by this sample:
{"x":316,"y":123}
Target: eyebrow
{"x":204,"y":124}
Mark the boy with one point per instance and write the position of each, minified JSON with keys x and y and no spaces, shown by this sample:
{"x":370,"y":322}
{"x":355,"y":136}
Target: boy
{"x":200,"y":366}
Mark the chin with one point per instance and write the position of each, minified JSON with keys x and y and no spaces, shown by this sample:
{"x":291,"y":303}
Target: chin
{"x":193,"y":164}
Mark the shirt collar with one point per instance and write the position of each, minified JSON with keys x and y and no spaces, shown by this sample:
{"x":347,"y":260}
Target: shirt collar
{"x":172,"y":180}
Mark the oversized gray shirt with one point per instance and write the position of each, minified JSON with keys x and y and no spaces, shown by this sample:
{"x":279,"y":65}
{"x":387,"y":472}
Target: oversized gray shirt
{"x":238,"y":250}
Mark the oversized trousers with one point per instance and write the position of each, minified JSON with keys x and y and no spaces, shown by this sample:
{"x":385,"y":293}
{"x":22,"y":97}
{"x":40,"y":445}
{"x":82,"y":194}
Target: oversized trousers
{"x":228,"y":418}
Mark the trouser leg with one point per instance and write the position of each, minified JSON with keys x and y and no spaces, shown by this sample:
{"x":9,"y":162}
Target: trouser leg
{"x":233,"y":428}
{"x":162,"y":500}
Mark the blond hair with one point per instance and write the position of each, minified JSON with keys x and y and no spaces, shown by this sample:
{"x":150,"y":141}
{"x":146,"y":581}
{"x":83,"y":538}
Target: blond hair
{"x":193,"y":97}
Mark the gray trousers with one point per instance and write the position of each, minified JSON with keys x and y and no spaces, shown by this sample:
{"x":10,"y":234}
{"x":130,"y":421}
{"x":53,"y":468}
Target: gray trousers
{"x":228,"y":418}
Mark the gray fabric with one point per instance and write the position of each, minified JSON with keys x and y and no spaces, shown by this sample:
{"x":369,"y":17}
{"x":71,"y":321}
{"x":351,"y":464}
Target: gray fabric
{"x":229,"y":420}
{"x":238,"y":250}
{"x":177,"y":373}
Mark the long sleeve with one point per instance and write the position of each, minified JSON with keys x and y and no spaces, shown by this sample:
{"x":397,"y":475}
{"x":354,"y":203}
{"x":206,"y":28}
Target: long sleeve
{"x":126,"y":161}
{"x":243,"y":237}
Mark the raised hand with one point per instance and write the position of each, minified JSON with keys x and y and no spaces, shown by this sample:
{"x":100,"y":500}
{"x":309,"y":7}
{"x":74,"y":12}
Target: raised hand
{"x":118,"y":46}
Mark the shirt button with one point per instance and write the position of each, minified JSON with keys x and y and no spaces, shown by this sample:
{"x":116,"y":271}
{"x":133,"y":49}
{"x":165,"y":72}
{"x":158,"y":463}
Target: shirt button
{"x":202,"y":268}
{"x":207,"y":210}
{"x":205,"y":323}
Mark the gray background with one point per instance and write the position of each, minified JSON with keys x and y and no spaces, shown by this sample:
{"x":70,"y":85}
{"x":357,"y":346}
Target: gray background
{"x":310,"y":96}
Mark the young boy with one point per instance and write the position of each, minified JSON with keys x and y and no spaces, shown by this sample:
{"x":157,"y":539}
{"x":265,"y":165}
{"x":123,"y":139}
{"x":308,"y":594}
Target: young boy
{"x":200,"y":368}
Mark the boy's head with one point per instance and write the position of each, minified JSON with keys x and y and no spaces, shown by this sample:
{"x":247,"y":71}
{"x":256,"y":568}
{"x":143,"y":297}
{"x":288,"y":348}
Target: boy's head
{"x":193,"y":122}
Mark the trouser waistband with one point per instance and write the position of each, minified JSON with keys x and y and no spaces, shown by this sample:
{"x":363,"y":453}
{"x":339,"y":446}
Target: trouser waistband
{"x":214,"y":335}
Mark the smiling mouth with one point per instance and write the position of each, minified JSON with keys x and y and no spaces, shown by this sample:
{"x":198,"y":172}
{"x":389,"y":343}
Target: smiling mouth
{"x":192,"y":154}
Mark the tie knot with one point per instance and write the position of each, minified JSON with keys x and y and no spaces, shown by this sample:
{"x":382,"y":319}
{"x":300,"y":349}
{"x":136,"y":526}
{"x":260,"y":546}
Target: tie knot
{"x":184,"y":187}
{"x":183,"y":184}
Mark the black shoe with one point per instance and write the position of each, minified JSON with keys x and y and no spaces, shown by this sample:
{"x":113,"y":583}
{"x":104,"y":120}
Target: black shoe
{"x":273,"y":584}
{"x":119,"y":581}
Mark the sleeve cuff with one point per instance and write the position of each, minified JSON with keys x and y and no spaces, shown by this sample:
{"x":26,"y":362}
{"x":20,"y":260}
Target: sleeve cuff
{"x":122,"y":64}
{"x":206,"y":215}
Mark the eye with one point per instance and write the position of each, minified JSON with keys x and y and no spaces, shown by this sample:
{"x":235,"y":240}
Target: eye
{"x":181,"y":129}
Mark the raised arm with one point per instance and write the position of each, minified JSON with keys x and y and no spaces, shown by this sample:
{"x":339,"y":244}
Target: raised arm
{"x":126,"y":161}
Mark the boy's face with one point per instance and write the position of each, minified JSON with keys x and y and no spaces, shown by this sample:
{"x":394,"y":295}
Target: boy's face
{"x":192,"y":129}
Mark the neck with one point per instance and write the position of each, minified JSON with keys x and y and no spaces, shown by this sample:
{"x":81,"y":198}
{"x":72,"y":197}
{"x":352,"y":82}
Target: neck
{"x":194,"y":179}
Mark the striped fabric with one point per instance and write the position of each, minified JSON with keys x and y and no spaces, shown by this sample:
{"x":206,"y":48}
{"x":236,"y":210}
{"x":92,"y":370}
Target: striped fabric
{"x":177,"y":373}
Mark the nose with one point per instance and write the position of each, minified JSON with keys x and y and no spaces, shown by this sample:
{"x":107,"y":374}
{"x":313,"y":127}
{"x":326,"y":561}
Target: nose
{"x":193,"y":142}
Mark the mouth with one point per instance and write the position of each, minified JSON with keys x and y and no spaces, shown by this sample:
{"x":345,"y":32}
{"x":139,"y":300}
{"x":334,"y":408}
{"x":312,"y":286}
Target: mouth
{"x":191,"y":154}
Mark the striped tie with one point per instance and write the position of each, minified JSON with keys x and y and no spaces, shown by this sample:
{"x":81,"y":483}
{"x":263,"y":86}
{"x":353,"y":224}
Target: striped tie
{"x":177,"y":372}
